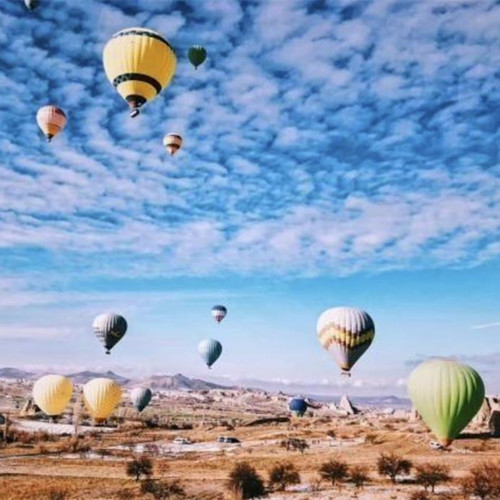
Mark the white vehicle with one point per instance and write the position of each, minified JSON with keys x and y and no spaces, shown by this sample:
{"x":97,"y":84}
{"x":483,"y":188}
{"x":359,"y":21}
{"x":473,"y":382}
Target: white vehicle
{"x":181,"y":440}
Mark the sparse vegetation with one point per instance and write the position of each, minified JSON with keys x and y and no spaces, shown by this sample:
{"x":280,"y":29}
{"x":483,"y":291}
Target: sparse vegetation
{"x":334,"y":471}
{"x":392,"y":465}
{"x":163,"y":490}
{"x":57,"y":494}
{"x":282,"y":475}
{"x":295,"y":444}
{"x":419,"y":495}
{"x":245,"y":482}
{"x":140,"y":466}
{"x":359,"y":476}
{"x":430,"y":475}
{"x":483,"y":481}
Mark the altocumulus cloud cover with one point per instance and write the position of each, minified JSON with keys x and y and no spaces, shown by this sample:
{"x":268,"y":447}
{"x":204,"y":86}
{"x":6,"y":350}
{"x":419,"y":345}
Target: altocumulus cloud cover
{"x":321,"y":139}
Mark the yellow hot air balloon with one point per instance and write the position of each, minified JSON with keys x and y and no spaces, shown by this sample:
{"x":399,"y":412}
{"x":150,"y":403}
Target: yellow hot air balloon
{"x":51,"y":120}
{"x":172,"y":143}
{"x":101,"y":396}
{"x":139,"y":63}
{"x":52,"y":393}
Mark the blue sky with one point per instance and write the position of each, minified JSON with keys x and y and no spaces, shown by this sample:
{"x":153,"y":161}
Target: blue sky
{"x":336,"y":153}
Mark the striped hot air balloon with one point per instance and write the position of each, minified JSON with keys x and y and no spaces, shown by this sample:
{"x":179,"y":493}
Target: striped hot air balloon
{"x":109,"y":329}
{"x":210,"y":351}
{"x":346,"y":333}
{"x":172,"y":143}
{"x":52,"y":393}
{"x":219,"y":313}
{"x":101,"y":396}
{"x":447,"y":395}
{"x":51,"y":120}
{"x":139,"y":63}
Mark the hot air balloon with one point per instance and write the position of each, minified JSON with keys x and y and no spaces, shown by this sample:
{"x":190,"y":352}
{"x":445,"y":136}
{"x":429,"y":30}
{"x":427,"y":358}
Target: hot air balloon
{"x":109,"y":329}
{"x":139,"y":63}
{"x":219,"y":313}
{"x":210,"y":350}
{"x":172,"y":143}
{"x":346,"y":333}
{"x":140,"y":396}
{"x":197,"y":55}
{"x":51,"y":120}
{"x":298,"y":406}
{"x":101,"y":396}
{"x":52,"y":393}
{"x":32,"y":4}
{"x":447,"y":395}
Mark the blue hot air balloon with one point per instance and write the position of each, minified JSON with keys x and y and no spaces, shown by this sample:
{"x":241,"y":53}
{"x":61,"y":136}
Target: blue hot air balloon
{"x":210,"y":350}
{"x":298,"y":406}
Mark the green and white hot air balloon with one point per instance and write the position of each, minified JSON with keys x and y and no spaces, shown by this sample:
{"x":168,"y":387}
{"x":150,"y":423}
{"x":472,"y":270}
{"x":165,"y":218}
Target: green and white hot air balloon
{"x":447,"y":395}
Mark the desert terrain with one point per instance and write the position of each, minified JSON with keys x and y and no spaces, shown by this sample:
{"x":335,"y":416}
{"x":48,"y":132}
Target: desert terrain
{"x":40,"y":459}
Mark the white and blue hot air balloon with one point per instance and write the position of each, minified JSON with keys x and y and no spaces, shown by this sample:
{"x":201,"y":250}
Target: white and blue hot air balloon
{"x":210,"y":351}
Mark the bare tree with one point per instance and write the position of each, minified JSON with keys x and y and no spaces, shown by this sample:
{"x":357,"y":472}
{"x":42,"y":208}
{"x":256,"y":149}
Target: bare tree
{"x":483,"y":481}
{"x":140,"y":466}
{"x":283,"y":474}
{"x":359,"y":476}
{"x":430,"y":475}
{"x":393,"y":465}
{"x":334,"y":471}
{"x":245,"y":481}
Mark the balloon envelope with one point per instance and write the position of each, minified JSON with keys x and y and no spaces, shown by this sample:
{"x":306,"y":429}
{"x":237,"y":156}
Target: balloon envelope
{"x":197,"y":55}
{"x":139,"y":63}
{"x":52,"y":393}
{"x":141,"y":396}
{"x":32,"y":4}
{"x":51,"y":120}
{"x":346,"y":333}
{"x":109,"y":328}
{"x":447,"y":395}
{"x":101,"y":396}
{"x":298,"y":406}
{"x":219,"y":313}
{"x":210,"y":350}
{"x":172,"y":143}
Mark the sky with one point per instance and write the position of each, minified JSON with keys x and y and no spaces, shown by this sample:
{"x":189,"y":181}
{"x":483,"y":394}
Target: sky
{"x":335,"y":153}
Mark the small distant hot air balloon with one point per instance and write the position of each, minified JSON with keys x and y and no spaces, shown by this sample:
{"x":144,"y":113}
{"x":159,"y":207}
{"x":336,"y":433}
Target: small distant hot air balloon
{"x":52,"y":393}
{"x":298,"y":406}
{"x":141,"y":396}
{"x":172,"y":143}
{"x":346,"y":333}
{"x":447,"y":395}
{"x":109,"y":329}
{"x":101,"y":396}
{"x":197,"y":55}
{"x":139,"y":63}
{"x":51,"y":121}
{"x":210,"y":350}
{"x":219,"y":313}
{"x":32,"y":4}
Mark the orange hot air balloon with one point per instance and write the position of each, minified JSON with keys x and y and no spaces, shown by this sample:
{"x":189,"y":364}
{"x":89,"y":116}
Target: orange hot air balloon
{"x":51,"y":120}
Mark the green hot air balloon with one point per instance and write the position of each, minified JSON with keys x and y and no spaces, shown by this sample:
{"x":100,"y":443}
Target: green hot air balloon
{"x":447,"y":395}
{"x":197,"y":55}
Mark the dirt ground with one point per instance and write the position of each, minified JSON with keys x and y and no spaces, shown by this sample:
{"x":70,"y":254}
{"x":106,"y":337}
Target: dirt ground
{"x":97,"y":470}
